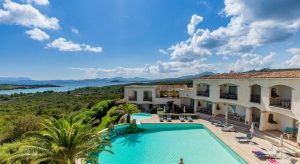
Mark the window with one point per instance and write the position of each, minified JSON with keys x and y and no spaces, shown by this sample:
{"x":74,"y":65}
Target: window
{"x":273,"y":92}
{"x":147,"y":94}
{"x":134,"y":93}
{"x":232,"y":90}
{"x":207,"y":89}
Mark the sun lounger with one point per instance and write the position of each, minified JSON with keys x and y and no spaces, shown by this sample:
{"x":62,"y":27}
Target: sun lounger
{"x":260,"y":154}
{"x":218,"y":123}
{"x":189,"y":118}
{"x":290,"y":152}
{"x":244,"y":139}
{"x":169,"y":119}
{"x":161,"y":118}
{"x":272,"y":161}
{"x":272,"y":153}
{"x":181,"y":118}
{"x":228,"y":129}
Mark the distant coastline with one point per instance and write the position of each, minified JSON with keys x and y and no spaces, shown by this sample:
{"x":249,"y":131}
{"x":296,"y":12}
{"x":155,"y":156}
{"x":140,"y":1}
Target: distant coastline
{"x":19,"y":86}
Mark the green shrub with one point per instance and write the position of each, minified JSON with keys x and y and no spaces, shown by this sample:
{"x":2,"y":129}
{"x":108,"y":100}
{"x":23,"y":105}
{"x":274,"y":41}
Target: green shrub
{"x":98,"y":111}
{"x":15,"y":129}
{"x":112,"y":117}
{"x":153,"y":110}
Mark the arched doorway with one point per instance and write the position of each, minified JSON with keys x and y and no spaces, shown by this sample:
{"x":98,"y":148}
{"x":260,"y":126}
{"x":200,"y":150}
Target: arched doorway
{"x":256,"y":113}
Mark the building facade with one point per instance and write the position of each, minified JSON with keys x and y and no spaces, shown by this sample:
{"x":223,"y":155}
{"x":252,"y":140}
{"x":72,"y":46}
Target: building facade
{"x":270,"y":100}
{"x":154,"y":96}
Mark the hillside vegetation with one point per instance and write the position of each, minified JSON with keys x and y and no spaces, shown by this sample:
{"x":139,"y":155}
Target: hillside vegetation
{"x":15,"y":86}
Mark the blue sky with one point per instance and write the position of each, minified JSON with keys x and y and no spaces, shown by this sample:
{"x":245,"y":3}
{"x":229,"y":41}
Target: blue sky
{"x":54,"y":39}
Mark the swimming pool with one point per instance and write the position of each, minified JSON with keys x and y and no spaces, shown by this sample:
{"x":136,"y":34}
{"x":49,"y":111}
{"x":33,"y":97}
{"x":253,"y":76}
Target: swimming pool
{"x":140,"y":116}
{"x":167,"y":143}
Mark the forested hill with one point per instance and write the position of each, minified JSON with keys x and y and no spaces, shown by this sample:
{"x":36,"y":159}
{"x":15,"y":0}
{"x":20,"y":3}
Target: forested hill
{"x":16,"y":86}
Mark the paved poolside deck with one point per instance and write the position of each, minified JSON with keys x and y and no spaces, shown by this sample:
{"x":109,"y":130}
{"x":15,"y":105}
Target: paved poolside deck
{"x":243,"y":150}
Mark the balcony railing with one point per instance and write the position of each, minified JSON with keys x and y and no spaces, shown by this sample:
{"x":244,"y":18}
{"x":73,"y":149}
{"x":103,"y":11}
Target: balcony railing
{"x":255,"y":99}
{"x":167,"y":96}
{"x":147,"y":98}
{"x":203,"y":93}
{"x":132,"y":98}
{"x":281,"y":103}
{"x":204,"y":110}
{"x":163,"y":95}
{"x":228,"y":96}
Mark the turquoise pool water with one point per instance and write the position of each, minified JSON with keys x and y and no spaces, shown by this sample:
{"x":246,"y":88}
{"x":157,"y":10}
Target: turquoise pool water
{"x":140,"y":116}
{"x":167,"y":143}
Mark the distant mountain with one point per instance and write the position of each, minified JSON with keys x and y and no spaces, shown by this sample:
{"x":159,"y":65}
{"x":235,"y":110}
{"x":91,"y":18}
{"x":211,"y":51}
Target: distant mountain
{"x":134,"y":79}
{"x":88,"y":82}
{"x":188,"y":77}
{"x":13,"y":78}
{"x":195,"y":76}
{"x":93,"y":82}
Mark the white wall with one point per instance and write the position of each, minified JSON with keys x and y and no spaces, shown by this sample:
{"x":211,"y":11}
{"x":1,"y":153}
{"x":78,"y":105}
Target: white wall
{"x":244,"y":92}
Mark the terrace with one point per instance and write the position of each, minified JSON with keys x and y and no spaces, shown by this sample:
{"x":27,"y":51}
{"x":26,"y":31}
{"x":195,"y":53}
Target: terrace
{"x":169,"y":91}
{"x":281,"y":96}
{"x":203,"y":90}
{"x":228,"y":91}
{"x":132,"y":95}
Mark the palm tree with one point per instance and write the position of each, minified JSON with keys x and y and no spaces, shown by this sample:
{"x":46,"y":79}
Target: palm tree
{"x":129,"y":109}
{"x":62,"y":141}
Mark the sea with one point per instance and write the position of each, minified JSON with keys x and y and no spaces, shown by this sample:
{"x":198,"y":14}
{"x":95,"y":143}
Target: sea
{"x":64,"y":86}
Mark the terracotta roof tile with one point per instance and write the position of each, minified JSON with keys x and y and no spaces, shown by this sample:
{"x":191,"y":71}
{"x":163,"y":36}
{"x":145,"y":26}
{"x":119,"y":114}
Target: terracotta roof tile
{"x":274,"y":74}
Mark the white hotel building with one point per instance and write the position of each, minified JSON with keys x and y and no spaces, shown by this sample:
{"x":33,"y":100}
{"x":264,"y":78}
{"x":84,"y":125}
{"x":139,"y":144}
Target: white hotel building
{"x":271,"y":100}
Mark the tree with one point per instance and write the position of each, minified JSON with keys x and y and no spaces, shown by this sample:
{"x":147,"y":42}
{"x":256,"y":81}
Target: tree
{"x":129,"y":109}
{"x":61,"y":141}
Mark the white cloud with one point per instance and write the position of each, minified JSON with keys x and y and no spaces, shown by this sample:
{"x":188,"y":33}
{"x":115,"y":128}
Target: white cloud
{"x":184,"y":51}
{"x":91,"y":49}
{"x":294,"y":51}
{"x":64,"y":45}
{"x":38,"y":2}
{"x":75,"y":31}
{"x":252,"y":24}
{"x":37,"y":34}
{"x":162,"y":51}
{"x":195,"y":20}
{"x":225,"y":58}
{"x":252,"y":61}
{"x":159,"y":69}
{"x":25,"y":15}
{"x":294,"y":61}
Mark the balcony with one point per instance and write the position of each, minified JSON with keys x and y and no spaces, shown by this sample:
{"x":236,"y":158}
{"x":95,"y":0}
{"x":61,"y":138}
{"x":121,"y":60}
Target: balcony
{"x":255,"y":93}
{"x":132,"y":98}
{"x":255,"y":99}
{"x":186,"y":93}
{"x":203,"y":90}
{"x":228,"y":96}
{"x":168,"y":94}
{"x":203,"y":93}
{"x":281,"y":96}
{"x":228,"y":91}
{"x":147,"y":99}
{"x":281,"y":103}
